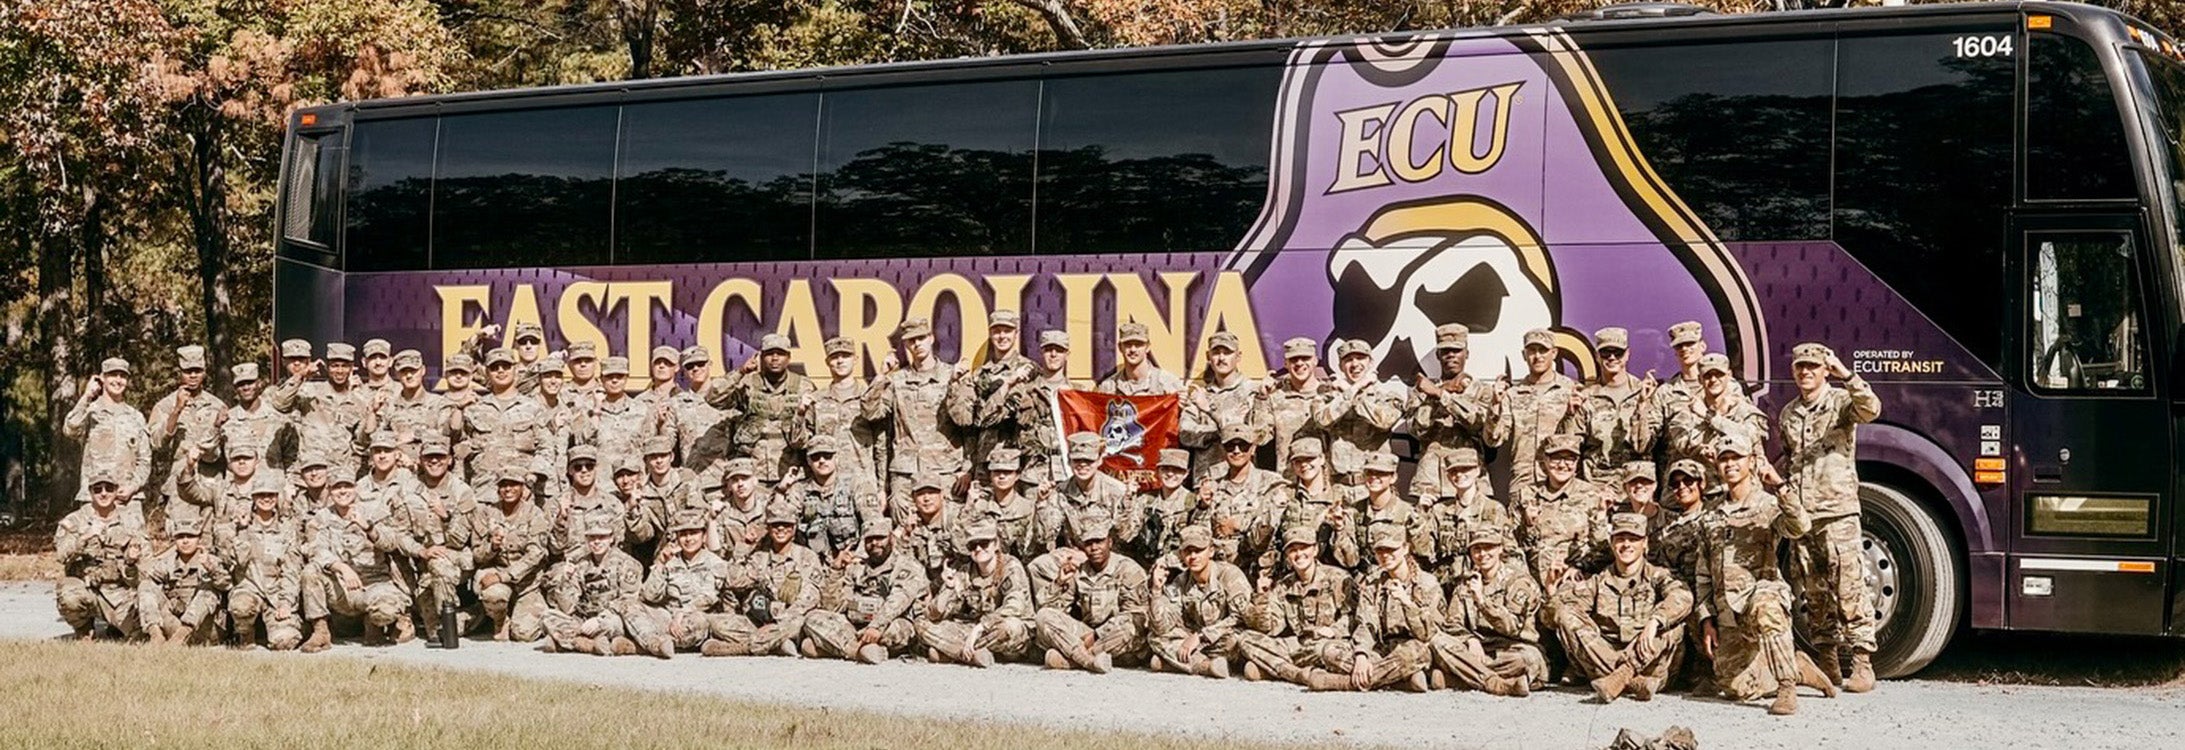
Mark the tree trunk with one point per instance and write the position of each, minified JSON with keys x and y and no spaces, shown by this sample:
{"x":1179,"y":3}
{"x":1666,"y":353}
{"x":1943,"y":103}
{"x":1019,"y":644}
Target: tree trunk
{"x":1057,"y":15}
{"x":638,"y":19}
{"x":208,"y":200}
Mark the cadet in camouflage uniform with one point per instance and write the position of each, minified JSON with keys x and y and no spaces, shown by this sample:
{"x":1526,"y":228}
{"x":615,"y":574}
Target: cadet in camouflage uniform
{"x":932,"y":534}
{"x":1820,"y":447}
{"x":1311,"y":499}
{"x":1457,"y":411}
{"x":830,"y":505}
{"x":98,"y":546}
{"x":116,"y":441}
{"x":1624,"y":627}
{"x":975,"y":401}
{"x":1358,"y":412}
{"x":252,"y":420}
{"x":1198,"y":613}
{"x":1489,"y":641}
{"x":456,"y":381}
{"x":431,"y":530}
{"x":764,"y":399}
{"x":981,"y":608}
{"x":1163,"y":513}
{"x":378,"y":362}
{"x":837,"y":412}
{"x":1741,"y":600}
{"x":587,"y":594}
{"x":619,"y":424}
{"x":179,"y":590}
{"x":1135,"y":373}
{"x":1300,"y":622}
{"x":1470,"y":505}
{"x":530,"y":350}
{"x":1617,"y":417}
{"x":1239,"y":503}
{"x":509,"y":540}
{"x":1030,"y":405}
{"x":410,"y":411}
{"x":329,"y":414}
{"x":1222,"y":398}
{"x":1562,"y":521}
{"x":586,"y":499}
{"x":682,"y":594}
{"x":348,"y":570}
{"x":1542,"y":404}
{"x":1289,"y":404}
{"x":908,"y":399}
{"x":207,"y":502}
{"x":1721,"y":408}
{"x":564,"y":417}
{"x":266,"y":550}
{"x":777,"y":585}
{"x":582,"y":357}
{"x":701,"y":429}
{"x":1015,"y":515}
{"x":187,"y":417}
{"x":1378,"y":505}
{"x":1399,"y":611}
{"x":1089,"y":493}
{"x":662,"y":385}
{"x":878,"y":597}
{"x":739,"y":522}
{"x":307,"y":493}
{"x":1090,"y":603}
{"x":1677,"y":394}
{"x":667,"y":490}
{"x":504,"y":428}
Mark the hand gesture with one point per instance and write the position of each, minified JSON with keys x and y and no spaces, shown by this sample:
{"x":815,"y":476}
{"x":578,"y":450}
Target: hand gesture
{"x":1836,"y":368}
{"x":92,"y":387}
{"x":1707,"y":638}
{"x":1265,"y":583}
{"x":1160,"y":576}
{"x":844,"y":558}
{"x":191,"y":454}
{"x":1475,"y":587}
{"x":891,"y":363}
{"x":1427,"y":386}
{"x":379,"y":402}
{"x":349,"y":579}
{"x":751,"y":364}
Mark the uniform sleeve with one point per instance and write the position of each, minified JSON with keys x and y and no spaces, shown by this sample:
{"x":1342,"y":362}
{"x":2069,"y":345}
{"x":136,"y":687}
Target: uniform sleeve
{"x":1673,"y":599}
{"x":1521,"y":605}
{"x":1047,"y":589}
{"x":911,"y":587}
{"x":1016,"y":594}
{"x":961,"y":402}
{"x":1863,"y":406}
{"x":77,"y":424}
{"x":1380,"y":405}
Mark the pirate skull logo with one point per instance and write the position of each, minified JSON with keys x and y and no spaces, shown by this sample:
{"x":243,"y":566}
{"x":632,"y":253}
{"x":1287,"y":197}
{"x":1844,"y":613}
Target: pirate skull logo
{"x":1462,"y":260}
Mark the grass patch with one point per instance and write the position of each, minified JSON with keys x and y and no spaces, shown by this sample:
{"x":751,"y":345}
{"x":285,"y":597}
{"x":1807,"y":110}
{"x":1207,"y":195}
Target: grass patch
{"x":136,"y":696}
{"x":38,"y":567}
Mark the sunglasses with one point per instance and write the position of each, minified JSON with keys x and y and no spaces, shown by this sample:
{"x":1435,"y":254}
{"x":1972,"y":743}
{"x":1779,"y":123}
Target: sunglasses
{"x":583,"y":466}
{"x":1237,"y":447}
{"x":696,"y":365}
{"x":500,"y":367}
{"x":1612,"y":353}
{"x":1683,"y":482}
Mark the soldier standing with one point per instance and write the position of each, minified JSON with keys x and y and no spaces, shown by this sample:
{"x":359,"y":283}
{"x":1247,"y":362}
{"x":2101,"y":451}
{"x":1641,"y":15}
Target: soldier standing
{"x":1470,"y":505}
{"x":504,"y":428}
{"x":974,"y":400}
{"x":909,"y":400}
{"x":116,"y":441}
{"x":98,"y":546}
{"x":586,"y":596}
{"x":1399,"y":611}
{"x":981,"y":608}
{"x":1617,"y":416}
{"x":530,"y":349}
{"x":252,"y":420}
{"x":1091,"y":603}
{"x":1675,"y":396}
{"x":1742,"y":602}
{"x":879,"y":592}
{"x":1135,"y":373}
{"x":835,"y":411}
{"x":1454,"y":412}
{"x":661,"y":388}
{"x":266,"y":549}
{"x":509,"y":550}
{"x":1720,"y":409}
{"x":1538,"y":406}
{"x":619,"y":424}
{"x":1820,"y":447}
{"x":1289,"y":404}
{"x":584,"y":372}
{"x":378,"y":372}
{"x":188,"y":416}
{"x":1358,"y":412}
{"x":1030,"y":405}
{"x":328,"y":414}
{"x":1197,"y":615}
{"x":830,"y":506}
{"x":179,"y":590}
{"x":1624,"y":628}
{"x":1301,"y":622}
{"x":764,"y":398}
{"x":1239,"y":503}
{"x":701,"y":429}
{"x":1222,"y":398}
{"x":410,"y":411}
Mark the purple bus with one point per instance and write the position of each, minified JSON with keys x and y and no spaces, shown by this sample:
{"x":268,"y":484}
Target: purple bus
{"x":1978,"y":205}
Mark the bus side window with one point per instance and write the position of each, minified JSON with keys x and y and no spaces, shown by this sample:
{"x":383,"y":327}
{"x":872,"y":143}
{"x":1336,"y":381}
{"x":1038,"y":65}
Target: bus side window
{"x":2086,"y":333}
{"x":926,"y":171}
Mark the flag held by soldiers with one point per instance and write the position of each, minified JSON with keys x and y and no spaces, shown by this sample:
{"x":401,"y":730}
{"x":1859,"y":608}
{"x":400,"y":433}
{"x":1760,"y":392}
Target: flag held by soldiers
{"x":1133,"y":429}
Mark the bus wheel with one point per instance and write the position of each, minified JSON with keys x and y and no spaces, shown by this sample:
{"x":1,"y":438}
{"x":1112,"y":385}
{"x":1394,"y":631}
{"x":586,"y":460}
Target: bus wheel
{"x":1912,"y":575}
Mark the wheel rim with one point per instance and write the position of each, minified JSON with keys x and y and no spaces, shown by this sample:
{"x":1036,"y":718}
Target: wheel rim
{"x":1881,"y":577}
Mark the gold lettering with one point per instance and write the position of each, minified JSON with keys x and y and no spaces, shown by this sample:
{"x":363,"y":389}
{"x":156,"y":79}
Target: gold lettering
{"x":713,"y":318}
{"x":1230,"y":308}
{"x":523,"y":307}
{"x":637,"y":299}
{"x":1077,"y":313}
{"x":569,"y":315}
{"x":869,"y":312}
{"x":970,"y":313}
{"x":456,"y":303}
{"x":1166,"y":330}
{"x":1463,"y":155}
{"x":799,"y":320}
{"x":1401,"y":160}
{"x":1360,"y":149}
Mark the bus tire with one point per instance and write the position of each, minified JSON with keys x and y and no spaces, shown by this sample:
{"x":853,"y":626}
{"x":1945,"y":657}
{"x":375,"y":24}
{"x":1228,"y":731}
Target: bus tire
{"x":1914,"y":575}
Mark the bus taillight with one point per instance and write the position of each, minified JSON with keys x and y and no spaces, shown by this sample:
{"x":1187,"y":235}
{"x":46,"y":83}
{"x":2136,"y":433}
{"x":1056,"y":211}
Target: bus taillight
{"x":1988,"y":471}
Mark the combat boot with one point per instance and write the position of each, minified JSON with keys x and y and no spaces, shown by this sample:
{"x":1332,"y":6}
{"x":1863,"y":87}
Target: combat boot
{"x":1436,"y":679}
{"x":1643,"y":688}
{"x":155,"y":634}
{"x":374,"y":635}
{"x":1417,"y":682}
{"x":718,"y":647}
{"x":981,"y":658}
{"x":1610,"y":686}
{"x":1509,"y":687}
{"x":872,"y":653}
{"x":1083,"y":658}
{"x":809,"y":648}
{"x":1102,"y":663}
{"x":1862,"y":673}
{"x":1814,"y":676}
{"x":605,"y":646}
{"x":180,"y":636}
{"x":405,"y":630}
{"x":246,"y":633}
{"x":1786,"y":699}
{"x":1321,"y":680}
{"x":1053,"y":660}
{"x":1216,"y":668}
{"x":320,"y":639}
{"x":622,"y":647}
{"x":579,"y":644}
{"x":1252,"y":672}
{"x":1831,"y":664}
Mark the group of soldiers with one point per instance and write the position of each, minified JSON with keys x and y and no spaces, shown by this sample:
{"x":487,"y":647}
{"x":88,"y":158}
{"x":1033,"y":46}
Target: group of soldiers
{"x":935,"y":511}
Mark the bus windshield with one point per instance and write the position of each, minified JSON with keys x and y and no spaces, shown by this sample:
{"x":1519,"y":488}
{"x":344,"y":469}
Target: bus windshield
{"x":2168,"y":114}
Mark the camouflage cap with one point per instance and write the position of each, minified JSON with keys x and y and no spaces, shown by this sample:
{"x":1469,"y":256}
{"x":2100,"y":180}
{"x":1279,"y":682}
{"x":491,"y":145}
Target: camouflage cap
{"x":1085,"y":446}
{"x":1733,"y":445}
{"x":913,"y":327}
{"x":840,"y":345}
{"x":530,"y":331}
{"x":500,"y":355}
{"x":1564,"y":443}
{"x":114,"y":364}
{"x":409,"y":359}
{"x":1352,"y":348}
{"x":689,"y":520}
{"x":378,"y":348}
{"x":1222,"y":340}
{"x":1485,"y":535}
{"x":341,"y":480}
{"x":659,"y":445}
{"x":1307,"y":447}
{"x":1463,"y":457}
{"x":1300,"y":533}
{"x":1098,"y":526}
{"x":311,"y":460}
{"x":582,"y":452}
{"x":103,"y":474}
{"x":1687,"y":467}
{"x":1194,"y":537}
{"x":820,"y":445}
{"x":628,"y":465}
{"x":512,"y":474}
{"x":1612,"y":338}
{"x":433,"y":446}
{"x":981,"y":530}
{"x":190,"y":357}
{"x":459,"y":362}
{"x":384,"y":440}
{"x":599,"y":524}
{"x":1387,"y":536}
{"x":1714,"y":362}
{"x":1132,"y":332}
{"x":878,"y":526}
{"x":241,"y":449}
{"x":782,"y":511}
{"x":1238,"y":432}
{"x":1054,"y":338}
{"x":266,"y":483}
{"x":296,"y":349}
{"x":1627,"y":524}
{"x":246,"y":372}
{"x":1639,"y":471}
{"x":617,"y":365}
{"x":552,"y":366}
{"x":1175,"y":458}
{"x":1008,"y":459}
{"x":696,"y":355}
{"x":1452,"y":336}
{"x":773,"y":342}
{"x":185,"y":527}
{"x":1381,"y":462}
{"x":665,"y":353}
{"x":582,"y":350}
{"x":1540,"y":337}
{"x":1809,"y":353}
{"x":340,"y":352}
{"x":1300,"y":347}
{"x":1002,"y":319}
{"x":1687,"y":332}
{"x":928,"y":481}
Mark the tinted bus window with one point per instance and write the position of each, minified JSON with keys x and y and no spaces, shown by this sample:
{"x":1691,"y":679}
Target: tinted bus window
{"x":926,"y":171}
{"x":2074,"y":136}
{"x":390,"y":194}
{"x":519,"y":189}
{"x":1923,"y":159}
{"x":1153,"y":162}
{"x":1740,"y":131}
{"x":716,"y":180}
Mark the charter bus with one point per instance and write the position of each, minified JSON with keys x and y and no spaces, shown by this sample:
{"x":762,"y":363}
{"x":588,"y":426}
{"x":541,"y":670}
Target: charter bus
{"x":1977,"y":205}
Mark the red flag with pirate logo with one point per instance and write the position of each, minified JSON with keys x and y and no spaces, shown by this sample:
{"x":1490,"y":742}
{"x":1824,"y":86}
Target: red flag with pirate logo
{"x":1133,"y":430}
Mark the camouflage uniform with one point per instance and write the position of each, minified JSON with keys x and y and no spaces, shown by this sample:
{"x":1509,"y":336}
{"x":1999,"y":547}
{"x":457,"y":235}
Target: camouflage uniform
{"x":1488,"y":640}
{"x":1107,"y":603}
{"x":1566,"y":526}
{"x":973,"y":613}
{"x":329,"y":417}
{"x":909,"y":401}
{"x":504,"y":430}
{"x":415,"y":418}
{"x":765,"y":407}
{"x":881,"y":595}
{"x":178,"y":598}
{"x":1075,"y":505}
{"x":1457,"y":411}
{"x":975,"y":401}
{"x":1162,"y":514}
{"x":681,"y":597}
{"x":1675,"y":396}
{"x":361,"y":539}
{"x":574,"y":510}
{"x":510,"y":547}
{"x":1452,"y":518}
{"x":1693,"y":431}
{"x":1240,"y":508}
{"x":619,"y":424}
{"x":116,"y":441}
{"x":1618,"y":421}
{"x":735,"y":516}
{"x":1607,"y":613}
{"x":1015,"y":515}
{"x":1030,"y":406}
{"x":1153,"y":381}
{"x":428,"y":517}
{"x":1210,"y":407}
{"x":1397,"y":617}
{"x":1358,"y":416}
{"x":257,"y":424}
{"x":1353,"y":544}
{"x":1291,"y":410}
{"x":384,"y":384}
{"x":830,"y":514}
{"x":1531,"y":412}
{"x":778,"y":588}
{"x":1299,"y":625}
{"x":1741,"y":588}
{"x":1820,"y":448}
{"x":207,"y":502}
{"x":181,"y":420}
{"x":98,"y":556}
{"x":836,"y":412}
{"x":1309,"y":508}
{"x":588,"y":593}
{"x":1212,"y":609}
{"x":266,"y":555}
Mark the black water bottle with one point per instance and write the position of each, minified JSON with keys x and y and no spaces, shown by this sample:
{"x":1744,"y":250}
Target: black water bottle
{"x":449,"y":638}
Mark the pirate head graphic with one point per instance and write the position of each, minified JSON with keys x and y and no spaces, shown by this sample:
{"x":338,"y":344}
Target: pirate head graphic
{"x":1486,"y":181}
{"x":1122,"y":434}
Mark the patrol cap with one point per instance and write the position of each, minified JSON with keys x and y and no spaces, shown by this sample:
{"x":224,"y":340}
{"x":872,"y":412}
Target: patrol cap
{"x":1095,"y":528}
{"x":409,"y":359}
{"x":695,"y":355}
{"x":1054,"y":338}
{"x":1306,"y":447}
{"x":1353,"y":347}
{"x":242,"y":449}
{"x":311,"y":460}
{"x":1133,"y":331}
{"x":927,"y":481}
{"x":1485,"y":535}
{"x":582,"y":452}
{"x":628,"y":465}
{"x":1387,"y":536}
{"x":114,"y":364}
{"x":1809,"y":353}
{"x":840,"y":345}
{"x":384,"y":440}
{"x":459,"y":362}
{"x":1635,"y":471}
{"x":1733,"y":445}
{"x":617,"y":365}
{"x":1632,"y":524}
{"x":582,"y":350}
{"x":1687,"y":467}
{"x":781,"y":511}
{"x":689,"y":520}
{"x":1085,"y":446}
{"x":1175,"y":458}
{"x":500,"y":355}
{"x":1452,"y":336}
{"x":667,"y":353}
{"x":1299,"y":533}
{"x":530,"y":331}
{"x":659,"y":445}
{"x":981,"y":530}
{"x":1714,"y":362}
{"x":295,"y":349}
{"x":878,"y":526}
{"x":1002,"y":319}
{"x":340,"y":352}
{"x":511,"y":475}
{"x":1222,"y":340}
{"x":246,"y":372}
{"x":913,"y":327}
{"x":433,"y":446}
{"x":1540,"y":337}
{"x":1612,"y":338}
{"x":1238,"y":433}
{"x":1194,"y":537}
{"x":553,"y":366}
{"x":341,"y":481}
{"x":1687,"y":332}
{"x":773,"y":342}
{"x":599,"y":524}
{"x":378,"y":348}
{"x":266,"y":483}
{"x":1560,"y":443}
{"x":1299,"y":347}
{"x":104,"y":475}
{"x":1005,"y":459}
{"x":190,"y":357}
{"x":1464,"y":457}
{"x":185,"y":527}
{"x":1381,"y":462}
{"x":820,"y":445}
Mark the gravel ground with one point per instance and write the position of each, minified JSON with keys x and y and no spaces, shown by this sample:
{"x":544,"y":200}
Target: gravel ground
{"x":1911,"y":713}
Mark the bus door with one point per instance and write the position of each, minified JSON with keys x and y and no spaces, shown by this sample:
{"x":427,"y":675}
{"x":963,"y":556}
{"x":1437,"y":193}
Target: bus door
{"x":2092,"y":431}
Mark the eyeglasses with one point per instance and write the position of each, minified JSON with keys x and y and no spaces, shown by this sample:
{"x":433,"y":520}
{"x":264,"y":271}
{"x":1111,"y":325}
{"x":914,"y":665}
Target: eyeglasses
{"x":1613,"y":353}
{"x":821,"y":456}
{"x":695,"y":366}
{"x":1236,"y":447}
{"x":981,"y":544}
{"x":1683,"y":482}
{"x":500,"y":367}
{"x":583,"y":466}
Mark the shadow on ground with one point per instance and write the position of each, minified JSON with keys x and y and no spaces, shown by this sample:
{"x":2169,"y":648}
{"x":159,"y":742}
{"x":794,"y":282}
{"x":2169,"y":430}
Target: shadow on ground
{"x":2061,"y":659}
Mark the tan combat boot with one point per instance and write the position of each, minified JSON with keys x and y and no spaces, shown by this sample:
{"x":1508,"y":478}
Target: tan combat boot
{"x":1831,"y":663}
{"x":1642,"y":688}
{"x":808,"y":648}
{"x":180,"y":635}
{"x":1214,"y":667}
{"x":578,"y":644}
{"x":1321,"y":680}
{"x":1417,"y":682}
{"x":1252,"y":672}
{"x":872,"y":653}
{"x":605,"y":646}
{"x":1436,"y":679}
{"x":405,"y":630}
{"x":1509,"y":687}
{"x":1814,"y":676}
{"x":622,"y":647}
{"x":1862,"y":673}
{"x":1786,"y":699}
{"x":1611,"y":686}
{"x":981,"y":658}
{"x":246,"y":633}
{"x":374,"y":635}
{"x":718,"y":647}
{"x":155,"y":634}
{"x":1053,"y":660}
{"x":321,"y":639}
